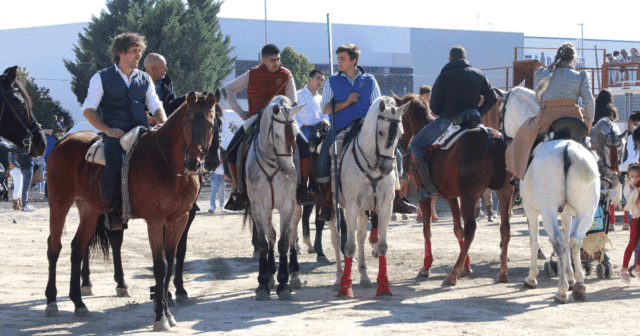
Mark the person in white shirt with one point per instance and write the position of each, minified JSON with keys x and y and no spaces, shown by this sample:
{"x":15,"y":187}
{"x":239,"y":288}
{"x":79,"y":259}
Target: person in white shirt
{"x":309,"y":96}
{"x":217,"y":185}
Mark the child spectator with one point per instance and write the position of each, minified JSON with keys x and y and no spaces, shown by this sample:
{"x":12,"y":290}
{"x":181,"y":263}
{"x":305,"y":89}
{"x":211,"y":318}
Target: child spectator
{"x":631,"y":186}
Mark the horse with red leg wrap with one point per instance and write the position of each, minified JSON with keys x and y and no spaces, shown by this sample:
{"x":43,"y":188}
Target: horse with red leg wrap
{"x":474,"y":162}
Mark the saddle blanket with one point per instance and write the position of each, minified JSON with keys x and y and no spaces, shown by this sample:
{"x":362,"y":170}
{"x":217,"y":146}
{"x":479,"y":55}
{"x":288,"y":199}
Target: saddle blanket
{"x":454,"y":132}
{"x":95,"y":154}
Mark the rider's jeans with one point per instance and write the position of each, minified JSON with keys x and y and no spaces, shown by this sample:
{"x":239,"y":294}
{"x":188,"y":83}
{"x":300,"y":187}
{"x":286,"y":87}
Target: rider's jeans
{"x":428,"y":135}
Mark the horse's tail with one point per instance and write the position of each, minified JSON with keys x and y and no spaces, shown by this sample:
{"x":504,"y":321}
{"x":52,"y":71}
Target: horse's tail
{"x":580,"y":160}
{"x":246,"y":218}
{"x":99,"y":243}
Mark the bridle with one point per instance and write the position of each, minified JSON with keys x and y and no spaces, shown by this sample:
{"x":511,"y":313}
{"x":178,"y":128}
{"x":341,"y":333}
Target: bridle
{"x":376,"y":165}
{"x":27,"y":141}
{"x":186,"y":150}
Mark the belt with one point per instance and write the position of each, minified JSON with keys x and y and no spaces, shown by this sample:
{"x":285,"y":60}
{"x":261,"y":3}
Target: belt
{"x":559,"y":103}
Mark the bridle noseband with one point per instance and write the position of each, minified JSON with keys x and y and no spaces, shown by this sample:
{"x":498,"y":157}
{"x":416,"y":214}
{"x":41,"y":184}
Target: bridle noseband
{"x":290,"y":150}
{"x":376,"y":166}
{"x":26,"y":142}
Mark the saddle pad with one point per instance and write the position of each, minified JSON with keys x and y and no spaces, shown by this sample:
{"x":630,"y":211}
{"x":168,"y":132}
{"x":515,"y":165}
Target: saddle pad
{"x":449,"y":136}
{"x":95,"y":154}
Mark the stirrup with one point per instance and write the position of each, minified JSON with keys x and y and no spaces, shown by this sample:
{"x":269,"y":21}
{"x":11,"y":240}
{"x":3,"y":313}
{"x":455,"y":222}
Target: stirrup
{"x":305,"y":196}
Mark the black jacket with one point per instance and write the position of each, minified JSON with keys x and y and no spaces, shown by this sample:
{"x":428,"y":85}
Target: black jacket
{"x":166,"y":93}
{"x":458,"y":88}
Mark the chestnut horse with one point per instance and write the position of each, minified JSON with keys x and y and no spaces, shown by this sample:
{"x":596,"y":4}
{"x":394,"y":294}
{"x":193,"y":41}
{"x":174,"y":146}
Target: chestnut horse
{"x":158,"y":194}
{"x":18,"y":124}
{"x":474,"y":163}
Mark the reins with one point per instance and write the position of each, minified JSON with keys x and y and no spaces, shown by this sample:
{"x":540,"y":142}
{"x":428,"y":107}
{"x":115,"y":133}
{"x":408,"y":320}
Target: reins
{"x":26,"y":142}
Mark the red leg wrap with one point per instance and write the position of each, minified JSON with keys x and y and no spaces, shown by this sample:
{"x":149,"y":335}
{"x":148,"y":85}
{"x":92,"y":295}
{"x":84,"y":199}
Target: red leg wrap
{"x":345,"y":282}
{"x":612,"y":214}
{"x":428,"y":257}
{"x":467,"y":260}
{"x":373,"y":236}
{"x":383,"y":279}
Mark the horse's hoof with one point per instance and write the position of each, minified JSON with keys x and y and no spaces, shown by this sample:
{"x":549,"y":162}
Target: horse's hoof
{"x":374,"y":253}
{"x":172,"y":321}
{"x":52,"y":310}
{"x":502,"y":277}
{"x":122,"y":292}
{"x":81,"y":312}
{"x":579,"y":292}
{"x":86,"y":291}
{"x":561,"y":298}
{"x":182,"y":298}
{"x":336,"y":286}
{"x":262,"y":295}
{"x":285,"y":294}
{"x":170,"y":302}
{"x":295,"y":283}
{"x":450,"y":281}
{"x":272,"y":283}
{"x":424,"y":273}
{"x":311,"y":250}
{"x":323,"y":260}
{"x":345,"y":292}
{"x":366,"y":283}
{"x":467,"y":271}
{"x":161,"y":326}
{"x":530,"y":284}
{"x":541,"y":255}
{"x":572,"y":283}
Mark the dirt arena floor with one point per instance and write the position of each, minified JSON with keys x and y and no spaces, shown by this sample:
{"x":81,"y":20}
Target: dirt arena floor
{"x":221,"y":277}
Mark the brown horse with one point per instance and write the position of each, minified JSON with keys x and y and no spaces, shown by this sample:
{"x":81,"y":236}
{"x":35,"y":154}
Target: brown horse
{"x":158,"y":194}
{"x":474,"y":163}
{"x":18,"y":124}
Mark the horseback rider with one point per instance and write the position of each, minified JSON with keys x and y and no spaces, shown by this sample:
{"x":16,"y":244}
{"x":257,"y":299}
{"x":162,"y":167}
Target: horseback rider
{"x":121,"y":93}
{"x":346,"y":88}
{"x":263,"y":83}
{"x":455,"y":96}
{"x":156,"y":66}
{"x":311,"y":115}
{"x":557,"y":90}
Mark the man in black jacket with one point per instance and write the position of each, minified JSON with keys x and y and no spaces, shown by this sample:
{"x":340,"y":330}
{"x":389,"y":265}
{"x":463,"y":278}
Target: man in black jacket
{"x":455,"y":95}
{"x":156,"y":66}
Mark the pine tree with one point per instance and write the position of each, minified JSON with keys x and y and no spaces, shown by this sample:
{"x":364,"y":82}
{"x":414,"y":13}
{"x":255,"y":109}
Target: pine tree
{"x":187,"y":35}
{"x":299,"y":66}
{"x":44,"y":107}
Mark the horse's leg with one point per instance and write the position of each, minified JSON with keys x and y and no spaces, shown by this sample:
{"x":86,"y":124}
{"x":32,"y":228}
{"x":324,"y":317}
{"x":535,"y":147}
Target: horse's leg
{"x":294,"y":267}
{"x":458,"y":231}
{"x":583,"y":223}
{"x":86,"y":286}
{"x":254,"y":241}
{"x":306,"y":234}
{"x":373,"y":236}
{"x":425,"y":205}
{"x":351,"y":217}
{"x":262,"y":244}
{"x":335,"y":241}
{"x":361,"y":225}
{"x":115,"y":239}
{"x":381,"y":250}
{"x":534,"y":244}
{"x":287,"y":238}
{"x":505,"y":196}
{"x":178,"y":281}
{"x":173,"y":233}
{"x":156,"y":241}
{"x":468,"y":201}
{"x":550,"y":222}
{"x":79,"y":247}
{"x":343,"y":230}
{"x":566,"y":234}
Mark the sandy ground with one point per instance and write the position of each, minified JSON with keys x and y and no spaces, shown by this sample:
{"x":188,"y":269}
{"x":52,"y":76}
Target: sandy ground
{"x":221,"y":277}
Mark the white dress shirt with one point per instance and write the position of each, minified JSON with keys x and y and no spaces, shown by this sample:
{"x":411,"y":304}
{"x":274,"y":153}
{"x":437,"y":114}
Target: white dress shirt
{"x":95,"y":93}
{"x":311,"y":113}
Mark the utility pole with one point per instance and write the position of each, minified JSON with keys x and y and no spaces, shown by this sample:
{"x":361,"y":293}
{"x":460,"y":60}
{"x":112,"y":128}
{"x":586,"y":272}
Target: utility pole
{"x":266,"y":35}
{"x":478,"y":23}
{"x":582,"y":39}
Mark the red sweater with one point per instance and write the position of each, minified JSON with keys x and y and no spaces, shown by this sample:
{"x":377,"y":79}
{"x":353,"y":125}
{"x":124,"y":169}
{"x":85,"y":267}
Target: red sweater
{"x":264,"y":85}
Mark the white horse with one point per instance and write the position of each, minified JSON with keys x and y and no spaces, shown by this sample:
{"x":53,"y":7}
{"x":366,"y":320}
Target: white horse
{"x":563,"y":180}
{"x":367,"y":183}
{"x":271,"y":184}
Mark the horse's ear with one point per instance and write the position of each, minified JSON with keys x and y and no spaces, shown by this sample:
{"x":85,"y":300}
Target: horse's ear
{"x":396,"y":98}
{"x":296,"y":109}
{"x":211,"y":100}
{"x":402,"y":109}
{"x":191,"y":98}
{"x":10,"y":75}
{"x":217,"y":95}
{"x":276,"y":109}
{"x":382,"y":105}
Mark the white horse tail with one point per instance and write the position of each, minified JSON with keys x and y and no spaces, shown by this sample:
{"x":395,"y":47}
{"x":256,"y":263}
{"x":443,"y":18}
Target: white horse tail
{"x":579,"y":162}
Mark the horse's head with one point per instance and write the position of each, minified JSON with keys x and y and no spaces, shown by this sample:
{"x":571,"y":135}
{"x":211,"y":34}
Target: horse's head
{"x":609,"y":144}
{"x":388,"y":129}
{"x":277,"y":128}
{"x":212,"y":159}
{"x":417,"y":115}
{"x":200,"y":129}
{"x":17,"y":122}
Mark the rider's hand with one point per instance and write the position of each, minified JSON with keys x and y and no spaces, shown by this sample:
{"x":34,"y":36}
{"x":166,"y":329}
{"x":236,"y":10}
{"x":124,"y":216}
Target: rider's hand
{"x":353,"y":97}
{"x":151,"y":119}
{"x":115,"y":133}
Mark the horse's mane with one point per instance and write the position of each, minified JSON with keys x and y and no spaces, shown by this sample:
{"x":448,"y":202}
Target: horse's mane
{"x":418,"y":109}
{"x":30,"y":117}
{"x":199,"y":129}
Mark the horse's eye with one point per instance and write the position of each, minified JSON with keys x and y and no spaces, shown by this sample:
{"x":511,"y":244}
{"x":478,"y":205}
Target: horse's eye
{"x":381,"y":133}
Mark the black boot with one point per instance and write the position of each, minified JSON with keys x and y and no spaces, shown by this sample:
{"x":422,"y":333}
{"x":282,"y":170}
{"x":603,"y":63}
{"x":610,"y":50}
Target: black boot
{"x":304,"y":194}
{"x":402,"y":205}
{"x":238,"y":201}
{"x":428,"y":189}
{"x":326,"y":210}
{"x":112,"y":219}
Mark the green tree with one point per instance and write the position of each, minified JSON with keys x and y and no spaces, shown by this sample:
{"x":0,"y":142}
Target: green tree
{"x":187,"y":35}
{"x":299,"y":66}
{"x":44,"y":107}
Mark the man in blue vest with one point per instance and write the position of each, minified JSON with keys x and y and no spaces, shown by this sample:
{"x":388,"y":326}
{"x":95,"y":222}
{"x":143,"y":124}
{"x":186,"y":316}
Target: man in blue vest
{"x":122,"y":94}
{"x":353,"y":91}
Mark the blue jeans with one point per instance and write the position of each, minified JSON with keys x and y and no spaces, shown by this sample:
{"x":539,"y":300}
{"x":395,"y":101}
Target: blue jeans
{"x":27,"y":174}
{"x":217,"y":184}
{"x":428,"y":135}
{"x":111,"y":176}
{"x":323,"y":167}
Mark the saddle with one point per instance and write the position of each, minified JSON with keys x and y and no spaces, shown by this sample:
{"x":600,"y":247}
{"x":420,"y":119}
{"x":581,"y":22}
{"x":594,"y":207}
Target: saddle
{"x":455,"y":131}
{"x":95,"y":154}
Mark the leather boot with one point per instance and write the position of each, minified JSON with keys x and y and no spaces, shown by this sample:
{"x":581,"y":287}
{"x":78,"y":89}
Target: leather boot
{"x":428,"y":189}
{"x":16,"y":204}
{"x":326,"y":210}
{"x":112,"y":219}
{"x":238,"y":200}
{"x":304,"y":195}
{"x":402,"y":205}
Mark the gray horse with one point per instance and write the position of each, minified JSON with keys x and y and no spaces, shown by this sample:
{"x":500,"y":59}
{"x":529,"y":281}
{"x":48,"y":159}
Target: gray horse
{"x":271,"y":184}
{"x":608,"y":142}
